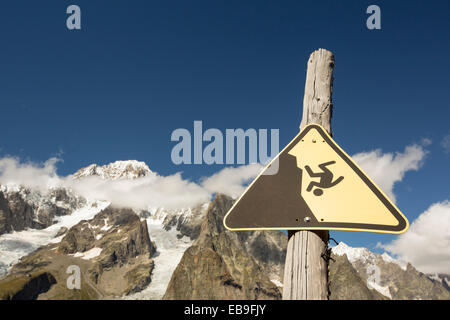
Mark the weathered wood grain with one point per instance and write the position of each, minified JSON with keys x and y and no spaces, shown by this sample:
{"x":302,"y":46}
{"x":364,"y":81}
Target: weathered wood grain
{"x":306,"y":271}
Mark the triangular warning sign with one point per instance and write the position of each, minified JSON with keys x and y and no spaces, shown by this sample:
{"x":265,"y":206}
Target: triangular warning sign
{"x":313,"y":184}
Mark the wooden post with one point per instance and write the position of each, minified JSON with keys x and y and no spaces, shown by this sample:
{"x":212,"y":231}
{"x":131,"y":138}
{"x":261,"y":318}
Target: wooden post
{"x":306,"y":271}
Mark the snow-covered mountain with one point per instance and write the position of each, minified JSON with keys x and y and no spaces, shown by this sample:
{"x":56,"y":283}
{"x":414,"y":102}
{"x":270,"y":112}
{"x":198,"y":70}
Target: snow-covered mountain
{"x":130,"y":169}
{"x":393,"y":278}
{"x":442,"y":278}
{"x":32,"y":218}
{"x":17,"y":244}
{"x":22,"y":207}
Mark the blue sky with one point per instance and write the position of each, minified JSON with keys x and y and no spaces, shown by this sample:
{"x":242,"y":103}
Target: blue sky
{"x":137,"y":70}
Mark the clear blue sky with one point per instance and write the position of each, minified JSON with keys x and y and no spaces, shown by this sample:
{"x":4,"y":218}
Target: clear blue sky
{"x":137,"y":70}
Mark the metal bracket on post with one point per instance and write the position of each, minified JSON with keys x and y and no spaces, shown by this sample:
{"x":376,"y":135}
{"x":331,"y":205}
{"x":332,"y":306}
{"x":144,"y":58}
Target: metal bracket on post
{"x":326,"y":255}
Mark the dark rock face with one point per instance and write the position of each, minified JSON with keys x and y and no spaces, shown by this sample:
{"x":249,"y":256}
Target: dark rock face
{"x":137,"y":241}
{"x":78,"y":239}
{"x":25,"y":208}
{"x":345,"y":282}
{"x":217,"y":265}
{"x":394,"y":279}
{"x":186,"y":223}
{"x":268,"y":248}
{"x":89,"y":234}
{"x":442,"y":278}
{"x":61,"y":231}
{"x":412,"y":284}
{"x":37,"y":285}
{"x":139,"y":277}
{"x":113,"y":251}
{"x":16,"y":214}
{"x":5,"y":215}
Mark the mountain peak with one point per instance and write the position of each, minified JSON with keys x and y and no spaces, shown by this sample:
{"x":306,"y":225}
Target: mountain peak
{"x":365,"y":255}
{"x":353,"y":254}
{"x":129,"y":169}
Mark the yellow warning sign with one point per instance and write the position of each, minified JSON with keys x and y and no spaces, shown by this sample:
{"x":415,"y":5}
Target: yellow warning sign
{"x":317,"y":187}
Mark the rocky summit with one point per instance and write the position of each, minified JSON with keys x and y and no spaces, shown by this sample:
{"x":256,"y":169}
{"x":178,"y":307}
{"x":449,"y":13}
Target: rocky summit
{"x":130,"y":169}
{"x":217,"y":265}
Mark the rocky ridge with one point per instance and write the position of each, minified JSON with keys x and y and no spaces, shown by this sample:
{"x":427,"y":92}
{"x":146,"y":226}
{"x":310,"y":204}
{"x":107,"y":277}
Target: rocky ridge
{"x":217,"y":265}
{"x":113,"y":251}
{"x":22,"y":207}
{"x":394,"y":279}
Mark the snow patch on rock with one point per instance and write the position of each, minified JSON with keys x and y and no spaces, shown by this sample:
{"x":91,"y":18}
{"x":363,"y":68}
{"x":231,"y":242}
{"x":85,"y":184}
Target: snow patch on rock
{"x":15,"y":245}
{"x":87,"y":255}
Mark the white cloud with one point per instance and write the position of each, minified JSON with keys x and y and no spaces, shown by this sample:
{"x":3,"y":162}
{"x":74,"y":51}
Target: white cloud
{"x":386,"y":169}
{"x":427,"y":242}
{"x":28,"y":173}
{"x":231,"y":181}
{"x":171,"y":192}
{"x":175,"y":192}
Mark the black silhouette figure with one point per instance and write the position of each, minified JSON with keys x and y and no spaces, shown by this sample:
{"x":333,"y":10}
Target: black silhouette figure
{"x":326,"y":178}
